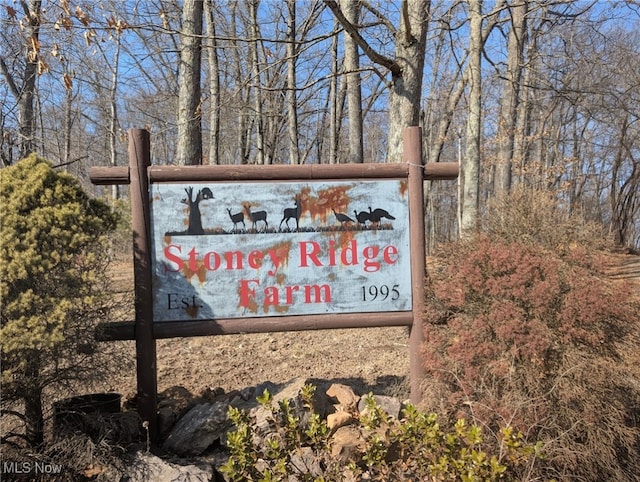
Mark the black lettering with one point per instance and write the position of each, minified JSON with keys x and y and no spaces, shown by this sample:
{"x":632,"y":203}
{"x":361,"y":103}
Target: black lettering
{"x":172,"y":300}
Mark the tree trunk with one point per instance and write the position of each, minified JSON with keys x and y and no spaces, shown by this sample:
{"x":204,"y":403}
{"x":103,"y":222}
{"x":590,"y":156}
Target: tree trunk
{"x":239,"y":80}
{"x":406,"y":87}
{"x":189,"y":151}
{"x":471,"y":161}
{"x":68,"y":126}
{"x":113,"y":121}
{"x":214,"y":85}
{"x":26,"y":116}
{"x":34,"y":418}
{"x":256,"y":81}
{"x":508,"y":116}
{"x":292,"y":107}
{"x":337,"y":94}
{"x":354,"y":88}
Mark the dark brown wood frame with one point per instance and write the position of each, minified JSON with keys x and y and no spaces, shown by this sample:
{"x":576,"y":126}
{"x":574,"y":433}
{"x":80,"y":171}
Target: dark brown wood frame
{"x":139,"y":174}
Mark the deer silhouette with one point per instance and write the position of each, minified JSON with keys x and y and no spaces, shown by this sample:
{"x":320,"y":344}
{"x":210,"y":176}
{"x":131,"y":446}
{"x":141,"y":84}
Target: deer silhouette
{"x":195,"y":217}
{"x":236,"y":218}
{"x":254,"y":217}
{"x":292,"y":213}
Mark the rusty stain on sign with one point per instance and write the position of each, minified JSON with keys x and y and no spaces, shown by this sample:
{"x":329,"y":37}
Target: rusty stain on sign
{"x":291,"y":248}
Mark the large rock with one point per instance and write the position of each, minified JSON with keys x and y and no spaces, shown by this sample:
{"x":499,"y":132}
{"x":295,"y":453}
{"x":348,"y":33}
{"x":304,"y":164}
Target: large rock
{"x":347,"y":443}
{"x":147,"y":467}
{"x":173,"y":403}
{"x":291,"y":392}
{"x":390,"y":405}
{"x":305,"y":463}
{"x":339,"y":419}
{"x":198,"y":429}
{"x":345,"y":396}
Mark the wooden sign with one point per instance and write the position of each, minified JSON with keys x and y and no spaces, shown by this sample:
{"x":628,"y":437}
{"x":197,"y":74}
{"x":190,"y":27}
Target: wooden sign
{"x":239,"y":250}
{"x":244,"y":249}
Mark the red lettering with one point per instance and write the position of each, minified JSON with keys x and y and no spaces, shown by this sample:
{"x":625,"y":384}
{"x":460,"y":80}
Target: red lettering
{"x":255,"y":259}
{"x":229,"y":257}
{"x":207,"y":261}
{"x":390,"y":254}
{"x":271,"y":296}
{"x":172,"y":258}
{"x":275,"y":260}
{"x":312,"y":255}
{"x":352,"y":250}
{"x":290,"y":290}
{"x":193,"y":265}
{"x":332,"y":252}
{"x":247,"y":293}
{"x":314,"y":290}
{"x":370,"y":254}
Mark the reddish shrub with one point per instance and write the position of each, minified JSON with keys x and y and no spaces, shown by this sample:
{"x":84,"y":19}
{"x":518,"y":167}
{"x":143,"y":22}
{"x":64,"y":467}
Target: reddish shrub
{"x":508,"y":327}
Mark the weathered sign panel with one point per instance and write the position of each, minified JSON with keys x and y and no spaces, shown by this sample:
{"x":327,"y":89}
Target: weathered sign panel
{"x":255,"y":249}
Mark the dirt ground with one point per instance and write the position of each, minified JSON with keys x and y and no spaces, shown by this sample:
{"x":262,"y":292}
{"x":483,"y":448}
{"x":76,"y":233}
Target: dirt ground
{"x":373,"y":359}
{"x":370,"y":360}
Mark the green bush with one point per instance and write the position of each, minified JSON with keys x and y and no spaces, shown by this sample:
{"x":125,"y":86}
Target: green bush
{"x":416,"y":447}
{"x":52,"y":284}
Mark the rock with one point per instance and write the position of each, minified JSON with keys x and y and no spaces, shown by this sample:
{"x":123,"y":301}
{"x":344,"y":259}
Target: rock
{"x":305,"y":462}
{"x":147,"y":467}
{"x":347,"y":443}
{"x":344,"y":395}
{"x":212,"y":394}
{"x":173,"y":403}
{"x":177,"y":397}
{"x":269,"y":386}
{"x":198,"y":429}
{"x":248,"y":393}
{"x":291,"y":392}
{"x":339,"y":419}
{"x":167,"y":417}
{"x":389,"y":405}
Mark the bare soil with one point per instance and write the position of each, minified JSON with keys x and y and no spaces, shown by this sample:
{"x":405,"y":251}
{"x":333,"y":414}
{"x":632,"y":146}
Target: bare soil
{"x":370,"y":359}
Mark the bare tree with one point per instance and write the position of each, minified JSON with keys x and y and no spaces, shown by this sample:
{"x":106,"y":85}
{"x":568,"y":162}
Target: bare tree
{"x":292,"y":107}
{"x":189,"y":149}
{"x":406,"y":67}
{"x":508,"y":116}
{"x":336,"y":100}
{"x":214,"y":84}
{"x":24,"y":90}
{"x":471,"y":163}
{"x":354,"y":90}
{"x":256,"y":75}
{"x":242,"y":137}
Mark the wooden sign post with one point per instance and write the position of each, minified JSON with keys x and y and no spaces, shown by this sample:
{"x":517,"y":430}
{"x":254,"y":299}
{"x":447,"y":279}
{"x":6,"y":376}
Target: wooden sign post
{"x":247,"y":249}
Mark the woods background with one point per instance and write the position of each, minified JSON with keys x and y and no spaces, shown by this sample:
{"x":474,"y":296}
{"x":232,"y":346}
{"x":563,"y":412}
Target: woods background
{"x":534,"y":95}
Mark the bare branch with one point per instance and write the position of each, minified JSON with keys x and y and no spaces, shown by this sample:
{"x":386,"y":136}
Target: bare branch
{"x":352,"y":30}
{"x":383,"y":20}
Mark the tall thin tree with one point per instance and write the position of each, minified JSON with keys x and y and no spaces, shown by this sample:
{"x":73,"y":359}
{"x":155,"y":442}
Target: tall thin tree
{"x":214,"y":84}
{"x":189,"y":149}
{"x":292,"y":108}
{"x":508,"y":115}
{"x":351,"y":11}
{"x":471,"y":163}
